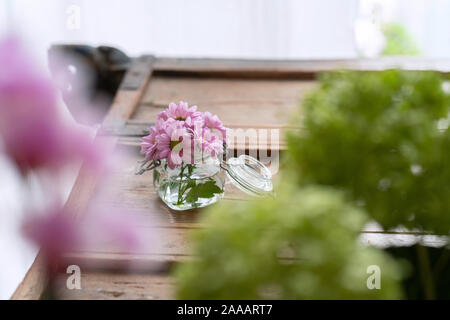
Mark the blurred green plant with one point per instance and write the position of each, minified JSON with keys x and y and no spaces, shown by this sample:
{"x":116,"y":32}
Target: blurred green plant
{"x":398,"y":41}
{"x":383,"y":138}
{"x":301,"y":245}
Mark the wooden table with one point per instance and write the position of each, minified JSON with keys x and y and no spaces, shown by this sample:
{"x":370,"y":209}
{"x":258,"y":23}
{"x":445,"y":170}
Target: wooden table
{"x":245,"y":94}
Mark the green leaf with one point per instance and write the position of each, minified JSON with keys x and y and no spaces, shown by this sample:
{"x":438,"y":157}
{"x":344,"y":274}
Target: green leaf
{"x":203,"y":190}
{"x":376,"y":135}
{"x":239,"y":255}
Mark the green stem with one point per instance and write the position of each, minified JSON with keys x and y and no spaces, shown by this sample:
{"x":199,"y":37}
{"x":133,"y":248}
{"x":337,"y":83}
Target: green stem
{"x":184,"y":185}
{"x":180,"y":194}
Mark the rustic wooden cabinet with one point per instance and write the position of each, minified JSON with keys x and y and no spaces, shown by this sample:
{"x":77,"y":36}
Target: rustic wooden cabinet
{"x":245,"y":94}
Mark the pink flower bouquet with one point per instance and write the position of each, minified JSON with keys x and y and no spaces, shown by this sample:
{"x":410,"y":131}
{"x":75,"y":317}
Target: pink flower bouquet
{"x":184,"y":147}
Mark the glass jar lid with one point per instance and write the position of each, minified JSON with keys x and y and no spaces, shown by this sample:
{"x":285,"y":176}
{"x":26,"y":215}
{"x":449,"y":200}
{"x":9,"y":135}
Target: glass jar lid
{"x":249,"y":175}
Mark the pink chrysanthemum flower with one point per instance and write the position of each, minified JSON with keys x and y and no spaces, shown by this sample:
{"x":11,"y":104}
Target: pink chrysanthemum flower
{"x":207,"y":142}
{"x":212,"y":122}
{"x":212,"y":143}
{"x":181,"y":112}
{"x":148,"y":145}
{"x":173,"y":142}
{"x":182,"y":134}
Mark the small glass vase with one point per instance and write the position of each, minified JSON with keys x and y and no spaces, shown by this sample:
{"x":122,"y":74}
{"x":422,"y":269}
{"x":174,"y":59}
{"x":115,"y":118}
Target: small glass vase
{"x":189,"y":186}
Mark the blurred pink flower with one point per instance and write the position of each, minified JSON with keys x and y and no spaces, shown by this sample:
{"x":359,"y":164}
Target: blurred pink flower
{"x":99,"y":229}
{"x":115,"y":228}
{"x":109,"y":227}
{"x":23,"y":91}
{"x":31,"y":129}
{"x":54,"y":231}
{"x":119,"y":230}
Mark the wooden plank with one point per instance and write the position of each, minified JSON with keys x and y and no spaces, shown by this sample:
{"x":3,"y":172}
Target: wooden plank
{"x":288,"y":69}
{"x":170,"y":241}
{"x":34,"y":282}
{"x":161,"y":285}
{"x":123,"y":262}
{"x":150,"y":210}
{"x":131,"y":91}
{"x":123,"y":106}
{"x":112,"y":286}
{"x":176,"y":248}
{"x":203,"y":92}
{"x":239,"y":103}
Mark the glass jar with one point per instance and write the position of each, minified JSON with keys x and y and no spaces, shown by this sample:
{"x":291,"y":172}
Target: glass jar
{"x":189,"y":186}
{"x":198,"y":185}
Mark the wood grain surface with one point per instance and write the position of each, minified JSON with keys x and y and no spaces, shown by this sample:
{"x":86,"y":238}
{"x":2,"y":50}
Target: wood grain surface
{"x":238,"y":103}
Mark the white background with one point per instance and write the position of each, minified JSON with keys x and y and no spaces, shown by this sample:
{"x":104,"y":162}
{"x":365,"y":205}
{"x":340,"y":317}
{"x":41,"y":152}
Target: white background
{"x":287,"y":29}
